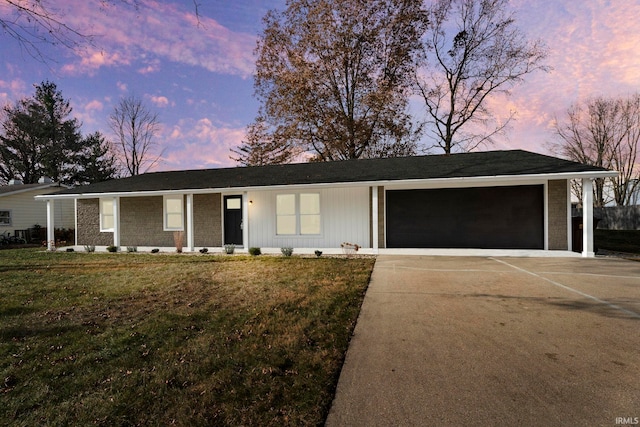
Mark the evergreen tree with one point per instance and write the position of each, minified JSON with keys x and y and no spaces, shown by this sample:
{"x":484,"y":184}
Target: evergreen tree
{"x":39,"y":138}
{"x":95,"y":161}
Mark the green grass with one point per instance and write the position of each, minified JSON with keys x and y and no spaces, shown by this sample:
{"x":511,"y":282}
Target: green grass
{"x":618,"y":240}
{"x":139,"y":339}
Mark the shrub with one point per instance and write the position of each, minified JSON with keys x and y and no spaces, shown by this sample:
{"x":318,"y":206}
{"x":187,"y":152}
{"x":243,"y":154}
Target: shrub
{"x":204,"y":250}
{"x":155,"y":250}
{"x":132,"y":249}
{"x":112,"y":248}
{"x":254,"y":251}
{"x":286,"y":251}
{"x":89,"y":248}
{"x":229,"y":249}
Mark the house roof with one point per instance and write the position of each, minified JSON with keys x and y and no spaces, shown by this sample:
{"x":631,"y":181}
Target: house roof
{"x":466,"y":165}
{"x":7,"y":190}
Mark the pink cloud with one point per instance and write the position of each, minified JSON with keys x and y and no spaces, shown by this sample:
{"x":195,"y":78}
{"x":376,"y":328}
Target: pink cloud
{"x":160,"y":101}
{"x":94,"y":105}
{"x":160,"y":31}
{"x":91,"y":60}
{"x":200,"y":144}
{"x":593,"y":49}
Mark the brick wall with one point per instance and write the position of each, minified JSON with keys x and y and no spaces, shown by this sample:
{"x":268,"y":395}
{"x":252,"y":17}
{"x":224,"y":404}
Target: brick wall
{"x":557,"y":204}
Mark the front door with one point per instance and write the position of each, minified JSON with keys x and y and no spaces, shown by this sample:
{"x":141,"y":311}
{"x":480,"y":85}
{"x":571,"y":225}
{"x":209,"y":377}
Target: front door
{"x":233,"y":220}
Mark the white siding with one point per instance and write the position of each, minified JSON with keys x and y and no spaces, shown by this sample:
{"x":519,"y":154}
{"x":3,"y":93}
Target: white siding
{"x":26,"y":211}
{"x":344,"y":216}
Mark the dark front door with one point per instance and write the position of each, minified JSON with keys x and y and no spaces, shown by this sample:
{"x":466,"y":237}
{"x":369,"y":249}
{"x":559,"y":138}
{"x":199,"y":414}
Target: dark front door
{"x":233,"y":220}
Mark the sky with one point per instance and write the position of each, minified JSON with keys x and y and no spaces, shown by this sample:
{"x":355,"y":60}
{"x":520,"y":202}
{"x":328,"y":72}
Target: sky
{"x":196,"y":71}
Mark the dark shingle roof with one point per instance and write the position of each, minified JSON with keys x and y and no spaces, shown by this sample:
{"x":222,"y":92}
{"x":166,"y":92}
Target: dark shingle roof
{"x":490,"y":163}
{"x":6,"y":190}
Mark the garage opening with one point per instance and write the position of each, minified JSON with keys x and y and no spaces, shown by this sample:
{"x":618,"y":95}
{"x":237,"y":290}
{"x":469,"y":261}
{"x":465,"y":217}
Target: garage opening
{"x":484,"y":218}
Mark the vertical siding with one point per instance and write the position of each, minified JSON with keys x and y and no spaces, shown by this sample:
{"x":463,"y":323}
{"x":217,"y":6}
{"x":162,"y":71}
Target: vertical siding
{"x":345,"y":217}
{"x":26,"y":211}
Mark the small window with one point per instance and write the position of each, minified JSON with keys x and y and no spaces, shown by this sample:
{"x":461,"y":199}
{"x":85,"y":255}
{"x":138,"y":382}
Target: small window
{"x":106,"y":215}
{"x":5,"y":218}
{"x":298,"y":214}
{"x":173,"y":213}
{"x":234,"y":203}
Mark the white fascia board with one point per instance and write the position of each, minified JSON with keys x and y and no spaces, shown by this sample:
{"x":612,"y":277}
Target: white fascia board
{"x":503,"y":180}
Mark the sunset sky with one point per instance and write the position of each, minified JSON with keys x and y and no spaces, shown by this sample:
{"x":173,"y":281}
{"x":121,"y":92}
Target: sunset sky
{"x":197,"y":74}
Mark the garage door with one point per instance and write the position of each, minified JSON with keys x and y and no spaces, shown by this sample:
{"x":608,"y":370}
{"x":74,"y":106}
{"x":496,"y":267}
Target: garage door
{"x":486,"y":217}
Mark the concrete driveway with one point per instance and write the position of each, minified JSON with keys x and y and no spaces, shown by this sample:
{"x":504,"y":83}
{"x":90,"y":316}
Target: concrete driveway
{"x":494,"y":341}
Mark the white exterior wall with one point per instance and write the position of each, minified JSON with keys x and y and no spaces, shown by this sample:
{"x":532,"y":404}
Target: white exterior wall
{"x":344,"y":216}
{"x":26,"y":211}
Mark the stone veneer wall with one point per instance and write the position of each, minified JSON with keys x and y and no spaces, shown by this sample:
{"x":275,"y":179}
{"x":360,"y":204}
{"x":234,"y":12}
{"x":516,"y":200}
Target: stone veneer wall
{"x":88,"y":232}
{"x":207,"y":220}
{"x":141,"y":222}
{"x":557,"y":205}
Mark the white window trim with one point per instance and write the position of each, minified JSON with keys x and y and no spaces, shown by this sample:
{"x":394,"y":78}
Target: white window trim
{"x":165,"y":213}
{"x":102,"y":215}
{"x":298,"y":215}
{"x":10,"y":218}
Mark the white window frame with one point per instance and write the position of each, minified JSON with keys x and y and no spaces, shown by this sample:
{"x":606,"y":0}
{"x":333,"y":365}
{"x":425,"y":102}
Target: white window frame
{"x":10,"y":216}
{"x":298,"y":215}
{"x":166,"y":213}
{"x":104,"y":214}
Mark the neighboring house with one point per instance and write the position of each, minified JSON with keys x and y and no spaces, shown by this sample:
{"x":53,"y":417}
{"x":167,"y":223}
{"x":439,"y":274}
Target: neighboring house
{"x":493,"y":200}
{"x":19,"y":211}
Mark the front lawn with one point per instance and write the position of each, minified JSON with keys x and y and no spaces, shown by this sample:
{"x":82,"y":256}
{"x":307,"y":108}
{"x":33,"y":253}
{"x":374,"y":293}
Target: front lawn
{"x":141,"y":339}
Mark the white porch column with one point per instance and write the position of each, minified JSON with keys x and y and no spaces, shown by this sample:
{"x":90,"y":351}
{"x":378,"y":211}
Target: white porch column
{"x":587,"y":218}
{"x":374,"y":219}
{"x":51,"y":238}
{"x":116,"y":222}
{"x":190,"y":239}
{"x":245,"y":220}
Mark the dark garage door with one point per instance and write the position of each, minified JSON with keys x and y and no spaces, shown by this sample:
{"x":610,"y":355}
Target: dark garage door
{"x":486,"y":217}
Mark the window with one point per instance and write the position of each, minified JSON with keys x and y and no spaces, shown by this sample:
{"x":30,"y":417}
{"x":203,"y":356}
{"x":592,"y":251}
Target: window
{"x":173,"y":213}
{"x":298,"y":214}
{"x":106,"y":215}
{"x":5,"y":217}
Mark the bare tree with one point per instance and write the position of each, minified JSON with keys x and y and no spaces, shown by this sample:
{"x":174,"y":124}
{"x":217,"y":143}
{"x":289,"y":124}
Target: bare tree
{"x":604,"y":132}
{"x":333,"y":77}
{"x":135,"y":127}
{"x":473,"y":51}
{"x":625,"y":157}
{"x":36,"y":25}
{"x":260,"y":148}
